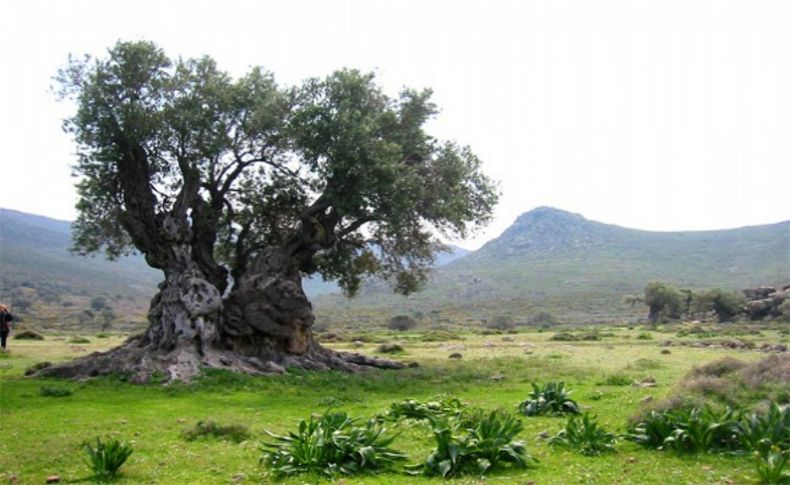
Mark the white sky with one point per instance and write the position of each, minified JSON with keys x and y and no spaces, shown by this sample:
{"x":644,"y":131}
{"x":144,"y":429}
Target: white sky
{"x":662,"y":115}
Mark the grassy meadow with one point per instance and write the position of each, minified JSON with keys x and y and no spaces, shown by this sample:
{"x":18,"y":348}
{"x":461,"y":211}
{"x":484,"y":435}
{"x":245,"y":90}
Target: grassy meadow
{"x":42,"y":435}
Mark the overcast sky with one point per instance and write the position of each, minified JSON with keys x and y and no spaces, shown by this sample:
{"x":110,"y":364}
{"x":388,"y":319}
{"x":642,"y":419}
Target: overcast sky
{"x":661,"y":115}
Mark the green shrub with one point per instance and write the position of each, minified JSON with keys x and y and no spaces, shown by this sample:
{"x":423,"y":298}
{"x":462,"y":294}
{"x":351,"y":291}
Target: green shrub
{"x":762,"y":432}
{"x":552,"y":399}
{"x":47,"y":391}
{"x":644,"y":336}
{"x":583,"y":434}
{"x":210,"y":429}
{"x":439,"y":336}
{"x":79,"y":340}
{"x":390,"y":349}
{"x":541,"y":318}
{"x":475,"y":445}
{"x":107,"y":457}
{"x":589,"y":336}
{"x":413,"y":409}
{"x":330,"y":445}
{"x":563,"y":337}
{"x":772,"y":467}
{"x":401,"y":323}
{"x":694,"y":430}
{"x":28,"y":335}
{"x":725,"y":304}
{"x":653,"y":429}
{"x":704,"y":431}
{"x":616,"y":380}
{"x":500,"y":322}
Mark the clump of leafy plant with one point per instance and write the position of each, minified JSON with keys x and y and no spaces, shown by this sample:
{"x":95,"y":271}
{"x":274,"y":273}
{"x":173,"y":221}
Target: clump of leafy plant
{"x":653,"y":429}
{"x":697,"y":430}
{"x":28,"y":335}
{"x":616,"y":380}
{"x":474,"y":445}
{"x":390,"y":349}
{"x":563,"y":337}
{"x":704,"y":430}
{"x":204,"y":429}
{"x":330,"y":445}
{"x":772,"y":466}
{"x":79,"y":340}
{"x":584,"y":434}
{"x":48,"y":391}
{"x":106,"y":458}
{"x":763,"y":432}
{"x":551,"y":399}
{"x":692,"y":430}
{"x":413,"y":409}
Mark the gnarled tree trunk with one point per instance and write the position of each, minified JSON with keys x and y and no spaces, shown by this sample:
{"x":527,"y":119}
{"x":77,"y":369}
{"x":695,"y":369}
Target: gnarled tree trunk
{"x":263,"y":325}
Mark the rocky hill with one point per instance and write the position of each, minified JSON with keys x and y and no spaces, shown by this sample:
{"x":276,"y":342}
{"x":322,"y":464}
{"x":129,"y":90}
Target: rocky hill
{"x":560,"y":261}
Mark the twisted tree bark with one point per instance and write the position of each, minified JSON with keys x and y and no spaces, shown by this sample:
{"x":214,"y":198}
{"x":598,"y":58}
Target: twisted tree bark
{"x":262,"y":326}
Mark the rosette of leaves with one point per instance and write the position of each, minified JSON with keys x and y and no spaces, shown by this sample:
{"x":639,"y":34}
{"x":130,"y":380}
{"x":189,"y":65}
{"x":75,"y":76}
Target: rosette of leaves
{"x":551,"y":399}
{"x":107,"y":457}
{"x":413,"y":409}
{"x":762,"y":432}
{"x":475,"y":445}
{"x":331,"y":445}
{"x":772,"y":466}
{"x":689,"y":430}
{"x":585,"y":435}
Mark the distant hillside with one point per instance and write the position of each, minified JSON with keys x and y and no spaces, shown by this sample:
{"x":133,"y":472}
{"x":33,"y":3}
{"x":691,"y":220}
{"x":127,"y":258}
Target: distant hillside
{"x":548,"y":259}
{"x":36,"y":267}
{"x":36,"y":249}
{"x":553,"y":259}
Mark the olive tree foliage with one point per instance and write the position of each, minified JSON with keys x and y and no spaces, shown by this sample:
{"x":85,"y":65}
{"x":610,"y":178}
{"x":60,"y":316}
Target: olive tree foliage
{"x":725,"y":304}
{"x":663,"y":300}
{"x":334,"y":170}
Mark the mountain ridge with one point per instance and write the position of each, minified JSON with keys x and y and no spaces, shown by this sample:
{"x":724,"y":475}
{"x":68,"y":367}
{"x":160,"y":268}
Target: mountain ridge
{"x":547,"y":258}
{"x":558,"y":259}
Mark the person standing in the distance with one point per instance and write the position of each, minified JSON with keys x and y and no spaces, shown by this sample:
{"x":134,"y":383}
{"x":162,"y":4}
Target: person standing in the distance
{"x":5,"y":325}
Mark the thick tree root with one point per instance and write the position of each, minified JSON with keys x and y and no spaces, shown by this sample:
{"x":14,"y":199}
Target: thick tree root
{"x":140,"y":363}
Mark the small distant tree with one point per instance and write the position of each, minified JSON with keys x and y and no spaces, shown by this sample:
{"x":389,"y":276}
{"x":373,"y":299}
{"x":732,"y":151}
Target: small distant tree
{"x":663,"y":300}
{"x":98,"y":303}
{"x":107,"y":315}
{"x":84,"y":317}
{"x":541,"y":318}
{"x":500,"y":322}
{"x":401,"y":323}
{"x":21,"y":303}
{"x":687,"y":301}
{"x":725,"y":304}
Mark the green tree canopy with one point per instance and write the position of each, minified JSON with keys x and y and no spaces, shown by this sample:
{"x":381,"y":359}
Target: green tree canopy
{"x":725,"y":304}
{"x":334,"y":169}
{"x":664,"y":301}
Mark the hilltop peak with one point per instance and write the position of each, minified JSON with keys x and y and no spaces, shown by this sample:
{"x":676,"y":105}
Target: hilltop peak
{"x":546,"y":213}
{"x":546,"y":229}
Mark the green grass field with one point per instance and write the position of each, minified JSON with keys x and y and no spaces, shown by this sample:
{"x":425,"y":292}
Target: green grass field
{"x":43,"y":435}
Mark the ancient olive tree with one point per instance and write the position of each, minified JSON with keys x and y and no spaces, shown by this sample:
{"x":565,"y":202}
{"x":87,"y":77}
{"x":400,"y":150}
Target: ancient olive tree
{"x":663,"y":300}
{"x":237,"y":188}
{"x":725,"y":304}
